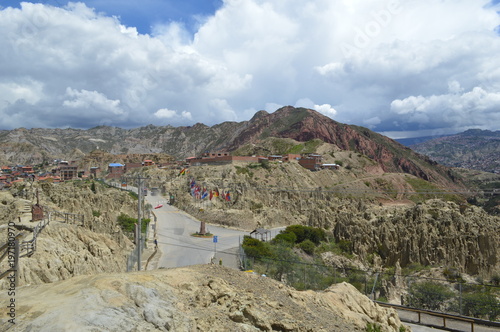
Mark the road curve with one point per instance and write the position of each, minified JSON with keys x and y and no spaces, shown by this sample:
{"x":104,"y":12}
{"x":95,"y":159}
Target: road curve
{"x":174,"y":230}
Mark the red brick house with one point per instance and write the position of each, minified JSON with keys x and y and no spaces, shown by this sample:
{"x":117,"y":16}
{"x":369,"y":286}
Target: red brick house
{"x":312,"y":162}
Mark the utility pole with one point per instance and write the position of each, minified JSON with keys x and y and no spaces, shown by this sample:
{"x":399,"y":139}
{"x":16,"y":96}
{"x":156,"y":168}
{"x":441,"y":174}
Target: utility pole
{"x":140,"y":183}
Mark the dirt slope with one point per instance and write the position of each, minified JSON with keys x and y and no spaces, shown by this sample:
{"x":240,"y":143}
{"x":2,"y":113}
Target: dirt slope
{"x":197,"y":298}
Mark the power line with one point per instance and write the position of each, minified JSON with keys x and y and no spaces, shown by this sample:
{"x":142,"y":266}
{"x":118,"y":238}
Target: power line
{"x":324,"y":266}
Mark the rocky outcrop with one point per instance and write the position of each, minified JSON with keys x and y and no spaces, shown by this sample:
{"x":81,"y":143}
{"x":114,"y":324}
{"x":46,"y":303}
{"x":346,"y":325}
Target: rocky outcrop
{"x":197,"y":298}
{"x":436,"y":233}
{"x":64,"y":251}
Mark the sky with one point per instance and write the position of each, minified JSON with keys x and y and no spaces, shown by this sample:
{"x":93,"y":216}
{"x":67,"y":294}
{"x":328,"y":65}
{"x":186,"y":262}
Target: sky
{"x":403,"y":68}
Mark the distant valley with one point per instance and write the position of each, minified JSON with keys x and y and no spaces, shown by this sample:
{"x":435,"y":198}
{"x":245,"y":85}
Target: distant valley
{"x":473,"y":149}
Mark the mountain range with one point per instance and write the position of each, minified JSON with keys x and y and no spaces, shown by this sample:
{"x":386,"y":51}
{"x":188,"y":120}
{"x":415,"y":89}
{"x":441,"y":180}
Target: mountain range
{"x":38,"y":145}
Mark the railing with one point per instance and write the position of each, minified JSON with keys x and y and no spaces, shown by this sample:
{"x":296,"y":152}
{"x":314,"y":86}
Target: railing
{"x":11,"y":247}
{"x":446,"y":318}
{"x":29,"y":247}
{"x":68,"y":218}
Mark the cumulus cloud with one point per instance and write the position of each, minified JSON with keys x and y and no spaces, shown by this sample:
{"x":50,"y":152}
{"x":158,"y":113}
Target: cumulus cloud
{"x":84,"y":100}
{"x":165,"y":113}
{"x":391,"y":65}
{"x":326,"y":109}
{"x":474,"y":108}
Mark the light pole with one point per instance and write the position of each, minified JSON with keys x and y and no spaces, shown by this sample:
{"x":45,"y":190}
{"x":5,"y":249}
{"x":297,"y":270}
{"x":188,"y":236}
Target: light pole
{"x":139,"y":218}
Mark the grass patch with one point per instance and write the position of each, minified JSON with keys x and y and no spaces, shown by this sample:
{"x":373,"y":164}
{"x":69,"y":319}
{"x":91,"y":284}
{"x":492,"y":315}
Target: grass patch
{"x":426,"y":190}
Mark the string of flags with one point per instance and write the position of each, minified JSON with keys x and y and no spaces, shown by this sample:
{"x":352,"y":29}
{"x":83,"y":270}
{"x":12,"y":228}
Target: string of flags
{"x":201,"y":193}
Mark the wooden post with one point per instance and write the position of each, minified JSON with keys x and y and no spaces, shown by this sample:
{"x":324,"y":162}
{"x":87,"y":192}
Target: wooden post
{"x":202,"y":228}
{"x":16,"y":261}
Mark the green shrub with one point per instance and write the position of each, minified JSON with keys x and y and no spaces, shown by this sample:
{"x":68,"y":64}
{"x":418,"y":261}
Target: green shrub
{"x":373,"y":328}
{"x":308,"y":247}
{"x":495,"y":280}
{"x":127,"y":223}
{"x":452,"y":275}
{"x":285,"y":238}
{"x":428,"y":295}
{"x":481,"y":305}
{"x":96,"y":213}
{"x":256,"y":248}
{"x":345,"y":246}
{"x":316,"y":235}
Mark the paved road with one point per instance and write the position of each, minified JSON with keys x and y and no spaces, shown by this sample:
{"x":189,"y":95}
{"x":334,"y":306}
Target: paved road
{"x":177,"y":245}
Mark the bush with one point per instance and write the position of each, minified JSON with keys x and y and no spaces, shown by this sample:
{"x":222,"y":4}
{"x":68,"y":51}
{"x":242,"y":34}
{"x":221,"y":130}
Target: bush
{"x":96,"y":213}
{"x":345,"y":246}
{"x":452,"y":275}
{"x":495,"y":280}
{"x":428,"y":295}
{"x":127,"y":223}
{"x":308,"y":247}
{"x":316,"y":235}
{"x":256,"y":248}
{"x":285,"y":238}
{"x":481,"y":305}
{"x":373,"y":328}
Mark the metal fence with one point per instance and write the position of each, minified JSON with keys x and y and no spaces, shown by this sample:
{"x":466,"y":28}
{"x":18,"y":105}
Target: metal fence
{"x":481,"y":300}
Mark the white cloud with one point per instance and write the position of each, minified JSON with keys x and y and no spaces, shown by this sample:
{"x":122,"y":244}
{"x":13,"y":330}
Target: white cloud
{"x":165,"y":113}
{"x":29,"y":91}
{"x":221,"y":109}
{"x":391,"y":65}
{"x":326,"y":109}
{"x":84,"y":100}
{"x":474,"y":108}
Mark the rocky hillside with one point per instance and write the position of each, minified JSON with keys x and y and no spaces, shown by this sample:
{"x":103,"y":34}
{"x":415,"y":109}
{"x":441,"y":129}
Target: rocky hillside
{"x":393,"y":216}
{"x":474,"y":149}
{"x":66,"y":250}
{"x":197,"y":298}
{"x":300,"y":124}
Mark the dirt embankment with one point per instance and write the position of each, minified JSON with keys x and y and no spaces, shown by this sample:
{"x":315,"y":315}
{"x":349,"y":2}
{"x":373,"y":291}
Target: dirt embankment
{"x":65,"y":250}
{"x":197,"y":298}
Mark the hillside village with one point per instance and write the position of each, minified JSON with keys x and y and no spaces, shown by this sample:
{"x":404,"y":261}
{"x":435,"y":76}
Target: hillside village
{"x":62,"y":170}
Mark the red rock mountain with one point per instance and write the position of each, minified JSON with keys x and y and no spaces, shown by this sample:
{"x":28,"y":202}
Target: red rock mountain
{"x":305,"y":124}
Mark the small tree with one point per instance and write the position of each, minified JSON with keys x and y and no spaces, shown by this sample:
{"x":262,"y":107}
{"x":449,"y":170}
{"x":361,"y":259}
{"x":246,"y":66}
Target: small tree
{"x":481,"y":305}
{"x":428,"y":295}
